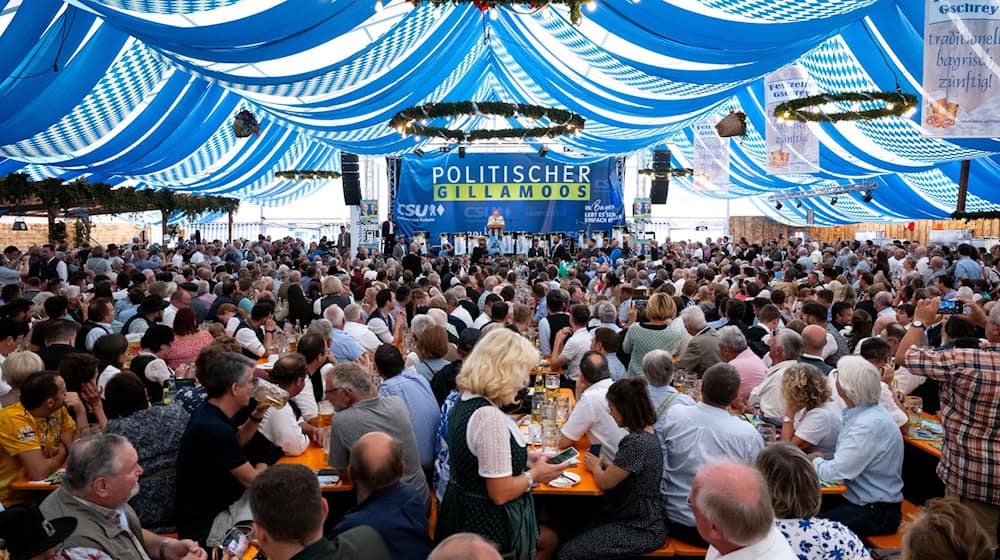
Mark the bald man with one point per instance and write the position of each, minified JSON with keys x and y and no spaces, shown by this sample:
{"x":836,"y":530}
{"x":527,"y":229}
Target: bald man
{"x":813,"y":340}
{"x":732,"y":509}
{"x":465,"y":546}
{"x":391,"y":507}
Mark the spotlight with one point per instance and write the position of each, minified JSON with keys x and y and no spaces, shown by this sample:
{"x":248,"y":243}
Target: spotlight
{"x":419,"y":152}
{"x":867,"y":197}
{"x":798,"y":204}
{"x":19,"y":225}
{"x":543,"y":151}
{"x":461,"y":151}
{"x":778,"y":205}
{"x":833,"y":201}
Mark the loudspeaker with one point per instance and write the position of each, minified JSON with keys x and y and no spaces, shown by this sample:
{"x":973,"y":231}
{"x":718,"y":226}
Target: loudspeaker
{"x":350,"y":176}
{"x":661,"y":157}
{"x":658,"y":190}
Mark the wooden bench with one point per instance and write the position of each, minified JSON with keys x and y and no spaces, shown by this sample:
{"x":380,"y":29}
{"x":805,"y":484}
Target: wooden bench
{"x":894,"y":540}
{"x":676,"y":548}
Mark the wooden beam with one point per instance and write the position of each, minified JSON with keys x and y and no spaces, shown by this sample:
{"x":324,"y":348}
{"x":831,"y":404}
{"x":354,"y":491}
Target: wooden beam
{"x":963,"y":185}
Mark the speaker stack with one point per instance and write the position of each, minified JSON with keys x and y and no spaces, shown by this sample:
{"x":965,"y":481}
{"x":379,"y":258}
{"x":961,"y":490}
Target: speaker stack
{"x":660,"y":186}
{"x":350,"y":176}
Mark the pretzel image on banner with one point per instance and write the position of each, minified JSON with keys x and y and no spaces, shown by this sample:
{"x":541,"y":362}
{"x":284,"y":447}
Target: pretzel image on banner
{"x":778,"y":159}
{"x":943,"y":113}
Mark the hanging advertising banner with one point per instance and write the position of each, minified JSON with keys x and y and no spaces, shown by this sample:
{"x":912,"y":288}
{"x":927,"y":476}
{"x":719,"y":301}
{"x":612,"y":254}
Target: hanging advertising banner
{"x":368,"y":210}
{"x":791,"y":146}
{"x":642,"y":209}
{"x":443,"y":193}
{"x":960,"y":72}
{"x":711,"y":157}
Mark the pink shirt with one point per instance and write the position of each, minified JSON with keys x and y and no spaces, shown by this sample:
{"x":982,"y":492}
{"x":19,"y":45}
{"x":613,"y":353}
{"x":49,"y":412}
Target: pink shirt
{"x":752,"y":371}
{"x":185,"y":349}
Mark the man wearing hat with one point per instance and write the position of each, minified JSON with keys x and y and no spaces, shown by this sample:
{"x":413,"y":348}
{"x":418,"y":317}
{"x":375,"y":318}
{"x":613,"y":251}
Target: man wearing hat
{"x":149,"y":313}
{"x":26,"y":535}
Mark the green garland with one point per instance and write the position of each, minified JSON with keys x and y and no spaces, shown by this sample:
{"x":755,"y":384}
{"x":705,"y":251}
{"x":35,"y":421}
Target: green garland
{"x":563,"y":122}
{"x":307,"y":174}
{"x":19,"y":190}
{"x":896,"y":104}
{"x":984,"y":215}
{"x":575,"y":13}
{"x":658,"y":171}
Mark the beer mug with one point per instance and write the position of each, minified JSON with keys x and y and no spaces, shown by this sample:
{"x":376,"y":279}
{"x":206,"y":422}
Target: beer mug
{"x":325,"y":417}
{"x":265,"y":391}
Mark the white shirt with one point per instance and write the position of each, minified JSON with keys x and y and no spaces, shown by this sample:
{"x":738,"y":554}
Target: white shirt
{"x":885,"y":399}
{"x":96,"y":333}
{"x":197,"y":257}
{"x":591,"y":416}
{"x":462,"y":315}
{"x":573,"y":349}
{"x":363,"y":334}
{"x":232,"y":324}
{"x":280,"y":428}
{"x":306,"y":401}
{"x":481,"y":321}
{"x":488,"y":436}
{"x":887,"y":312}
{"x":820,"y":426}
{"x":772,"y":547}
{"x":168,"y":315}
{"x":177,"y":260}
{"x":105,"y":376}
{"x":768,"y":393}
{"x":247,"y":340}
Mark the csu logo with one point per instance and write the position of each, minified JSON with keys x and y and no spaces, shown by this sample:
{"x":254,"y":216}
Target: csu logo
{"x":420,"y":210}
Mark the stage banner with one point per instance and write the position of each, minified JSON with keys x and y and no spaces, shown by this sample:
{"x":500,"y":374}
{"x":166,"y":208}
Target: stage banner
{"x":368,"y":210}
{"x":960,"y":69}
{"x":443,"y":193}
{"x":791,"y":146}
{"x":711,"y":157}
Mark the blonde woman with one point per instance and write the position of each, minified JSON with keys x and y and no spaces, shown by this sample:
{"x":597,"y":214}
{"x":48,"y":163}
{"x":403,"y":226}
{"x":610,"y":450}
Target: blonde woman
{"x":812,"y":420}
{"x":492,"y":472}
{"x":333,"y":294}
{"x":655,"y":333}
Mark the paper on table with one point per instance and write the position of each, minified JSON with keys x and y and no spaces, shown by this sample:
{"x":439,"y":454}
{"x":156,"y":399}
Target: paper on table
{"x":54,"y":478}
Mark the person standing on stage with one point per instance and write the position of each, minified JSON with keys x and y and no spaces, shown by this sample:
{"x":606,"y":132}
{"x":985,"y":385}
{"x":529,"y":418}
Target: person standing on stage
{"x":495,"y":223}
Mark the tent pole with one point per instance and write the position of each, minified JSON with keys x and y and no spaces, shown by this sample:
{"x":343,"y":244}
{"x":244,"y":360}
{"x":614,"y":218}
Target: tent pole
{"x":230,"y":226}
{"x":963,"y":185}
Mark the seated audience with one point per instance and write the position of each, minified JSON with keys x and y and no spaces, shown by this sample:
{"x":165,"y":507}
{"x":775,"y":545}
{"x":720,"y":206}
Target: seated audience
{"x":60,"y":336}
{"x":359,"y":410}
{"x":697,"y":435}
{"x":658,"y":367}
{"x":385,"y":503}
{"x":26,"y":533}
{"x":16,"y":368}
{"x":591,"y":417}
{"x":733,"y":511}
{"x":293,"y":529}
{"x":606,"y":342}
{"x":284,"y":427}
{"x":443,"y":381}
{"x":110,"y":351}
{"x":656,"y":332}
{"x":155,"y":432}
{"x":796,"y":498}
{"x":79,"y":371}
{"x":432,"y":347}
{"x":188,"y":342}
{"x":212,"y":469}
{"x":812,"y":420}
{"x":785,"y":350}
{"x":36,"y":432}
{"x":416,"y":393}
{"x":631,"y":521}
{"x":102,"y":473}
{"x":465,"y":546}
{"x":149,"y":364}
{"x":869,"y":455}
{"x":733,"y":348}
{"x":945,"y":528}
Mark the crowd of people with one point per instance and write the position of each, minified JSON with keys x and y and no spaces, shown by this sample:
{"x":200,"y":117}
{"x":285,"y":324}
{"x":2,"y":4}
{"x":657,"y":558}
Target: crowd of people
{"x":138,"y":369}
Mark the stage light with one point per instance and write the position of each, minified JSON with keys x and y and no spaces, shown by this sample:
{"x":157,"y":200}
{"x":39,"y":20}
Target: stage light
{"x":778,"y":205}
{"x":833,"y":201}
{"x":418,"y":152}
{"x":798,"y":204}
{"x":543,"y":151}
{"x":867,"y":197}
{"x":461,"y":151}
{"x":19,"y":225}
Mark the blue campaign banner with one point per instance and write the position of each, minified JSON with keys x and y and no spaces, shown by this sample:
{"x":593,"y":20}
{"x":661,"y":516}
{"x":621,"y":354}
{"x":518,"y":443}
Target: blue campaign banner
{"x":443,"y":193}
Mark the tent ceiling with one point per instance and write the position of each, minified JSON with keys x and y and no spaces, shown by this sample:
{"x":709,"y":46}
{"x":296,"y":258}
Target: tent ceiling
{"x":144,"y":91}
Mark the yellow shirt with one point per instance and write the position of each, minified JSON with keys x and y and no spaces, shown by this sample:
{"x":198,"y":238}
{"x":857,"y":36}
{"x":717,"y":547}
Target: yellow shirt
{"x":20,"y":432}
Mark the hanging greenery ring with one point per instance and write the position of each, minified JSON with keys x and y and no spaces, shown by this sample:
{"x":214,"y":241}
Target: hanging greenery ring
{"x":575,"y":13}
{"x":982,"y":215}
{"x":306,"y":174}
{"x":673,"y":172}
{"x":408,"y":121}
{"x":808,"y":109}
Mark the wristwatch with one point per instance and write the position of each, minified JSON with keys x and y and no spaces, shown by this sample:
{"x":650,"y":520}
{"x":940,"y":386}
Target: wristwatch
{"x":918,"y":324}
{"x":531,"y":480}
{"x":786,"y":419}
{"x":272,"y":331}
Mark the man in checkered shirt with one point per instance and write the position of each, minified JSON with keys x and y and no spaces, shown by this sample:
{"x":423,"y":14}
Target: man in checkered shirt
{"x":970,"y":402}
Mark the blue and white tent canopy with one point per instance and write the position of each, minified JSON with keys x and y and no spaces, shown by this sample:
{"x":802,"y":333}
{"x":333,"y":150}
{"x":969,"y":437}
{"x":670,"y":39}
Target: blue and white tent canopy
{"x":144,"y":91}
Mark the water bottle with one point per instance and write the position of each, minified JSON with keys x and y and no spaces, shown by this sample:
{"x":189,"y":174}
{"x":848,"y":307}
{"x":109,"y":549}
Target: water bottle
{"x":758,"y":418}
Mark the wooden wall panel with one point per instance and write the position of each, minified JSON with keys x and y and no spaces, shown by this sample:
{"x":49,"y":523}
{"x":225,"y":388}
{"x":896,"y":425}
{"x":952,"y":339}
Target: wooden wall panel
{"x":755,"y":228}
